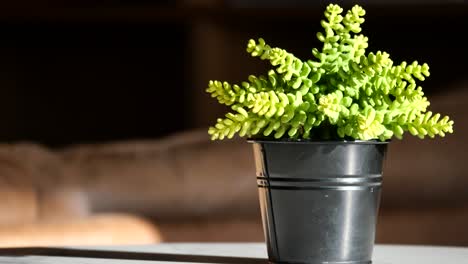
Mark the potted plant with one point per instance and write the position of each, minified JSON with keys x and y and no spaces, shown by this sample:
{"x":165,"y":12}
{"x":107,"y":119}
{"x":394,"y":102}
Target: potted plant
{"x":320,"y":130}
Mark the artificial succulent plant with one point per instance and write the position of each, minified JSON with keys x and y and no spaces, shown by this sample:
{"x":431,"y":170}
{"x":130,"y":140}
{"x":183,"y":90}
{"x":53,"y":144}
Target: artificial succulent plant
{"x":342,"y":92}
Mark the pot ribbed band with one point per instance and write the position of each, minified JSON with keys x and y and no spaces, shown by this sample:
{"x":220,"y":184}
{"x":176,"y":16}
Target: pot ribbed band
{"x":334,"y":182}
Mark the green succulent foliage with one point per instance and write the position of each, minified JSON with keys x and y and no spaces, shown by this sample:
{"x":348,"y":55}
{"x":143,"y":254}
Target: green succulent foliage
{"x":342,"y":91}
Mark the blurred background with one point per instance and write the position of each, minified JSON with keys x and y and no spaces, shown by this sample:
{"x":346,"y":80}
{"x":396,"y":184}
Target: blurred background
{"x":104,"y":116}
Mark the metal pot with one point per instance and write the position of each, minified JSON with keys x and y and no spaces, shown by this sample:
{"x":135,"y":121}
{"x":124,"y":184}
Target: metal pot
{"x":319,"y":200}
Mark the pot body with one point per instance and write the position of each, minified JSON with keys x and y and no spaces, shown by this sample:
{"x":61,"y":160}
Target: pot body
{"x":319,"y":200}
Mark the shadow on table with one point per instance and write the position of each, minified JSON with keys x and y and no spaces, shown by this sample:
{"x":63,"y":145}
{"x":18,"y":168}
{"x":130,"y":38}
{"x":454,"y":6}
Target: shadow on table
{"x":125,"y":255}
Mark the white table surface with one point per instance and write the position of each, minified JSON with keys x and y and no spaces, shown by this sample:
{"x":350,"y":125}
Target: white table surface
{"x":383,"y":254}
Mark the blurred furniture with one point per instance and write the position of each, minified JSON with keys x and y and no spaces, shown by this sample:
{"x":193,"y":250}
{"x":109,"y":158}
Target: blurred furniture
{"x":40,"y":207}
{"x":99,"y":229}
{"x":105,"y":73}
{"x":253,"y":253}
{"x":192,"y":189}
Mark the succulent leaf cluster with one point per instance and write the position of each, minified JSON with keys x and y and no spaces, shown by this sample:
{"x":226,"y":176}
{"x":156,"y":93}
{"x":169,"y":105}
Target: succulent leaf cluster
{"x":342,"y":92}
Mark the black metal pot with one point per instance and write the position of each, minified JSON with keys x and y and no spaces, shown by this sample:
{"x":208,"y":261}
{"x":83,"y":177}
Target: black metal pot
{"x":319,"y":200}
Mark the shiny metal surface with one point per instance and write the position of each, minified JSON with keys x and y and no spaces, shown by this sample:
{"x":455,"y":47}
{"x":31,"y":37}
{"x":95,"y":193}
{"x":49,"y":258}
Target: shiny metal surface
{"x":319,"y":202}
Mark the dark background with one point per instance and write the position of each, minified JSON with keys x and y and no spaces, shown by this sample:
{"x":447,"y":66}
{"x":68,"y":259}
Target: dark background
{"x":96,"y":71}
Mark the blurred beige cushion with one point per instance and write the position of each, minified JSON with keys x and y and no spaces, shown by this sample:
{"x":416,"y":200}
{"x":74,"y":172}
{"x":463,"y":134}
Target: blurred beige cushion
{"x":18,"y":205}
{"x":102,"y":229}
{"x":185,"y":175}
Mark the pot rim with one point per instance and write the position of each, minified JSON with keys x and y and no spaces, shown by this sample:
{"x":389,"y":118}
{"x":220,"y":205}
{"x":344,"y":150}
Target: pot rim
{"x":318,"y":142}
